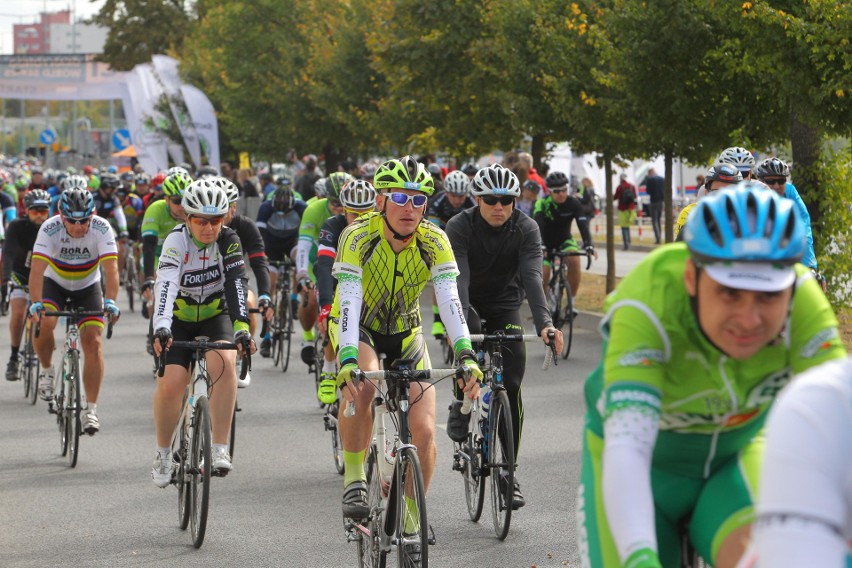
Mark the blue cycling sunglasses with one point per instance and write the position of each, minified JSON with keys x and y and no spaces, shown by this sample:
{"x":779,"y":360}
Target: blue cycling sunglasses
{"x":397,"y":198}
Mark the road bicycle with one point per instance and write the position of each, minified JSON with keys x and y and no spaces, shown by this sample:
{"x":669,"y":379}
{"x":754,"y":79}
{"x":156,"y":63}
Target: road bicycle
{"x":67,"y":399}
{"x":396,"y":493}
{"x":130,"y":274}
{"x":560,"y":297}
{"x":489,"y":449}
{"x":331,"y":424}
{"x":28,"y":363}
{"x":192,"y":438}
{"x":282,"y":322}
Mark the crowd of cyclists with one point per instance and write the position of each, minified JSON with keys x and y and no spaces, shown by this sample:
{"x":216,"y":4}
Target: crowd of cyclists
{"x":698,"y":341}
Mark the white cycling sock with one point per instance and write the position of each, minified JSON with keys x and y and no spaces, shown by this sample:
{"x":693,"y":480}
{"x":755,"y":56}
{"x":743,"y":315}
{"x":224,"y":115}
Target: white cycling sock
{"x":164,"y":452}
{"x":328,"y":367}
{"x":223,"y":447}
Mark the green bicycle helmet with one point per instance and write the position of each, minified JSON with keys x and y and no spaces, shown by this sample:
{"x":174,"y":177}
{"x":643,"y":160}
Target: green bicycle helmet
{"x":404,"y":173}
{"x":334,"y":183}
{"x":176,"y":183}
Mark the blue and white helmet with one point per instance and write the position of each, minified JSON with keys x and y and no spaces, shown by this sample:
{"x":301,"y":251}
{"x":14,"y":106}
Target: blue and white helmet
{"x":495,"y":180}
{"x":205,"y":197}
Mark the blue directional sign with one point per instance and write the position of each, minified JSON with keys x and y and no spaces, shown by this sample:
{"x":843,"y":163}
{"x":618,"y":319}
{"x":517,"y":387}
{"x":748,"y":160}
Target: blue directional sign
{"x":47,"y":136}
{"x":121,"y":139}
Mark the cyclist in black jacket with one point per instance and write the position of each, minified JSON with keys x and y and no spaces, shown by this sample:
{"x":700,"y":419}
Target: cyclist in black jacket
{"x":498,"y":252}
{"x":252,"y":244}
{"x":554,"y":215}
{"x":17,"y":252}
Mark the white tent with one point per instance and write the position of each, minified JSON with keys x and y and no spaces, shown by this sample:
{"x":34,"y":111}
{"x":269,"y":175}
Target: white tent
{"x":80,"y":77}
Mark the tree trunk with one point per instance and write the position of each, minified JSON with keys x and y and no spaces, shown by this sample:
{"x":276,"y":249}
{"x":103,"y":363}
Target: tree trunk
{"x":537,"y":150}
{"x":610,"y":228}
{"x":806,"y":144}
{"x":667,"y":213}
{"x":332,"y":158}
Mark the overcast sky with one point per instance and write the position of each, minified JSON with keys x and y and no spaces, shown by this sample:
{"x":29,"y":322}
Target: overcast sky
{"x":27,"y":11}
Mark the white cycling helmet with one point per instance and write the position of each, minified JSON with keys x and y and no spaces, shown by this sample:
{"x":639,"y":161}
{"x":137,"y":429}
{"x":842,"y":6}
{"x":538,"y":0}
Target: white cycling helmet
{"x":178,"y":170}
{"x":319,"y":187}
{"x":75,"y":182}
{"x":738,"y":157}
{"x":358,"y":194}
{"x":495,"y":180}
{"x":457,"y":183}
{"x":205,"y":197}
{"x":229,"y":187}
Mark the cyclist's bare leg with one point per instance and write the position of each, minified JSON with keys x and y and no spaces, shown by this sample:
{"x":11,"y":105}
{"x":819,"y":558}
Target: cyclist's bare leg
{"x":308,"y":314}
{"x":93,"y":361}
{"x":44,"y":344}
{"x":545,"y":277}
{"x":223,"y":395}
{"x":573,"y":265}
{"x":328,"y":352}
{"x":17,"y":316}
{"x":273,"y":280}
{"x":422,"y":422}
{"x":251,"y":302}
{"x":355,"y":431}
{"x":168,"y":396}
{"x":733,"y":547}
{"x":122,"y":253}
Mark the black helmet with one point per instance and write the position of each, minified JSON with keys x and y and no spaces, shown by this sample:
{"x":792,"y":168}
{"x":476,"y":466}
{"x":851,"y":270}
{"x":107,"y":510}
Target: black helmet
{"x":470,"y":169}
{"x":282,"y":200}
{"x":727,"y":173}
{"x":76,"y":203}
{"x":772,"y":167}
{"x":531,"y":185}
{"x":204,"y":171}
{"x":36,"y":198}
{"x":556,"y":179}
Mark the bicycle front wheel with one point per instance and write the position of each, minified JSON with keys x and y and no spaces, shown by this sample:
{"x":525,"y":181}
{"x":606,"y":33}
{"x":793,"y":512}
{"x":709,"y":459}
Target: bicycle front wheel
{"x":501,"y":462}
{"x":370,"y":554}
{"x":471,"y":452}
{"x":568,"y":318}
{"x":336,"y":442}
{"x":59,"y":404}
{"x":411,"y":529}
{"x":277,"y":340}
{"x":201,"y":464}
{"x":233,"y":436}
{"x":74,"y":403}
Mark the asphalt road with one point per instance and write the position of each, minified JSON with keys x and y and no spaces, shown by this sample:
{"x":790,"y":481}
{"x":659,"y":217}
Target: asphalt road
{"x":281,"y":504}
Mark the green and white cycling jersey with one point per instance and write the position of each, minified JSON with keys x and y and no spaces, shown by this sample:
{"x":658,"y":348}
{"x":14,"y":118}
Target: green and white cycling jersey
{"x":314,"y":217}
{"x":657,"y":359}
{"x":689,"y":416}
{"x":157,"y":223}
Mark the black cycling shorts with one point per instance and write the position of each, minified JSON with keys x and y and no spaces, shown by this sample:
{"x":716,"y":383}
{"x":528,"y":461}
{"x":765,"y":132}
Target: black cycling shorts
{"x":218,"y":328}
{"x":56,"y":298}
{"x":279,"y":249}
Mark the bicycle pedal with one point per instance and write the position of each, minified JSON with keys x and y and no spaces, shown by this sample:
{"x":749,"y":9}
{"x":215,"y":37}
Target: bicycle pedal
{"x":220,"y":472}
{"x":431,"y":539}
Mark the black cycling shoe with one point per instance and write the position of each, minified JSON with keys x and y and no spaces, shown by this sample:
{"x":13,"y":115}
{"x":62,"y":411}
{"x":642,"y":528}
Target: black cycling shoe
{"x":12,"y":369}
{"x":457,"y":422}
{"x":265,"y":347}
{"x":518,"y":500}
{"x":355,"y":501}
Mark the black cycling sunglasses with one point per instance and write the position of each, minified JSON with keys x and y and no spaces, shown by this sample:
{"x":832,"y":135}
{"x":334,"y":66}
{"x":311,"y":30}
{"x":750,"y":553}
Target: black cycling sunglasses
{"x":492,"y":200}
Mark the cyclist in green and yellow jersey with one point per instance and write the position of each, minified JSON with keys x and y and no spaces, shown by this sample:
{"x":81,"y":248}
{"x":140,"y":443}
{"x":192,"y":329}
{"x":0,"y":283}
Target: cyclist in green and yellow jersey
{"x":384,"y":260}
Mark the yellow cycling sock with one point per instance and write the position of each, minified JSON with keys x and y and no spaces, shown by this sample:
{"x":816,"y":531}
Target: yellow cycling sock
{"x":308,"y":335}
{"x":354,"y":462}
{"x":411,"y":522}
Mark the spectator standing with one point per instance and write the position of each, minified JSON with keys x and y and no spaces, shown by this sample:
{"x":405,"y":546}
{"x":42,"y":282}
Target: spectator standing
{"x":655,"y":187}
{"x":305,"y":183}
{"x":267,"y":183}
{"x":246,"y":185}
{"x":588,"y":198}
{"x":625,"y":194}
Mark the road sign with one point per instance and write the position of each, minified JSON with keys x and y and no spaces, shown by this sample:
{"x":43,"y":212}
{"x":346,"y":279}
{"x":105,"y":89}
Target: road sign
{"x":121,"y":139}
{"x":47,"y":136}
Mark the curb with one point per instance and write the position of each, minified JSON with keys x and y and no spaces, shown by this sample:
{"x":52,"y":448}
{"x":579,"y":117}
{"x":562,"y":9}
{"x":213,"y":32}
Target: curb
{"x":618,"y":247}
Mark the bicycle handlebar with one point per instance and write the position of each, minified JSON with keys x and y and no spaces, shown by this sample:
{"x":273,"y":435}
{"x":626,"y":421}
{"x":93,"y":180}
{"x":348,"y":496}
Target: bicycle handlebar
{"x":564,"y":253}
{"x":204,"y":345}
{"x":79,"y":314}
{"x":480,"y":337}
{"x":407,"y":374}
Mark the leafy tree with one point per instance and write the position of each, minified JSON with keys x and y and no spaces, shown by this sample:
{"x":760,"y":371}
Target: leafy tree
{"x":139,"y":29}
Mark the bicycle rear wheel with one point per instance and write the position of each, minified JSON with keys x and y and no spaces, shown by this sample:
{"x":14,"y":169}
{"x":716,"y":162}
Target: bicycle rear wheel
{"x":568,"y":318}
{"x":59,"y":404}
{"x":233,"y":436}
{"x":74,"y":402}
{"x":183,"y":476}
{"x":275,"y":330}
{"x":472,"y":470}
{"x":201,"y":464}
{"x":336,"y":443}
{"x":411,"y":529}
{"x":130,"y":278}
{"x":369,"y":549}
{"x":501,"y":462}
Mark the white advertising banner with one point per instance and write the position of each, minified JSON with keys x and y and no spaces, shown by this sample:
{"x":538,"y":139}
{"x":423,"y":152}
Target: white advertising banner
{"x":167,"y":71}
{"x":149,"y":142}
{"x":204,"y":118}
